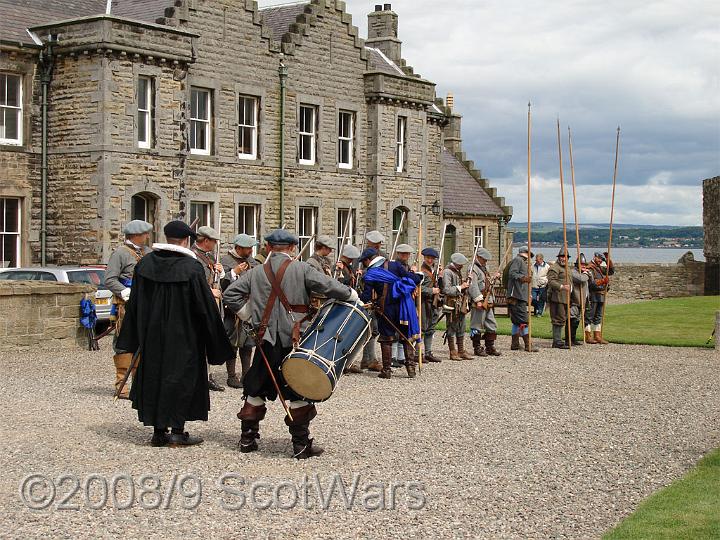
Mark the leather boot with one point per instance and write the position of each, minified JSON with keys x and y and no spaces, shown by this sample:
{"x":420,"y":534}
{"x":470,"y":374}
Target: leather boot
{"x":431,"y":358}
{"x":478,"y":349}
{"x":526,"y":340}
{"x":558,"y":343}
{"x":490,"y":338}
{"x":599,"y":339}
{"x":232,"y":380}
{"x":353,"y":368}
{"x":589,"y":338}
{"x":573,"y":334}
{"x":214,"y":386}
{"x":122,"y":364}
{"x":515,"y":344}
{"x":299,"y":428}
{"x":453,"y":350}
{"x":409,"y":360}
{"x":250,"y":417}
{"x":386,"y":351}
{"x":462,"y":353}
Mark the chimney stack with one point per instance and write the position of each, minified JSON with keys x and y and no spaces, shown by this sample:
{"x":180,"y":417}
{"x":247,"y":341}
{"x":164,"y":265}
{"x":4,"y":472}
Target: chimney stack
{"x":383,"y":32}
{"x":453,"y":129}
{"x":450,"y":102}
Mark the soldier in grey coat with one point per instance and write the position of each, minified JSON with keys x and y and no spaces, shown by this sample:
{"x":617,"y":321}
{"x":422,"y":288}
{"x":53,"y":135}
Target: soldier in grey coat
{"x":454,"y":287}
{"x":320,"y":260}
{"x":517,"y":297}
{"x":238,"y":260}
{"x":482,"y":319}
{"x":118,"y":279}
{"x":248,"y":297}
{"x":558,"y":296}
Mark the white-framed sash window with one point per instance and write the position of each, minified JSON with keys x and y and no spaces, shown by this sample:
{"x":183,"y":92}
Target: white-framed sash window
{"x":200,"y":121}
{"x":11,"y":110}
{"x":145,"y":112}
{"x":10,"y":227}
{"x":307,"y":134}
{"x":346,"y":136}
{"x":247,"y":127}
{"x":307,"y":229}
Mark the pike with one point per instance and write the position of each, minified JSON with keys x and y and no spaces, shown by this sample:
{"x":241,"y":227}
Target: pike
{"x":565,"y":244}
{"x":612,"y":215}
{"x":307,"y":244}
{"x":418,"y":299}
{"x":577,"y":230}
{"x":436,"y":298}
{"x":529,"y":227}
{"x":342,"y":242}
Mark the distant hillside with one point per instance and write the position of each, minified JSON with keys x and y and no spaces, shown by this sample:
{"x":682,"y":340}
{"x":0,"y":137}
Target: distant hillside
{"x":623,"y":236}
{"x":546,"y":226}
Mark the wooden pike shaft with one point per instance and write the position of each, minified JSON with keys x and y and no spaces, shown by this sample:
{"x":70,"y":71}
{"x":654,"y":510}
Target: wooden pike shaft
{"x":612,"y":216}
{"x":529,"y":225}
{"x":421,"y":344}
{"x":565,"y":243}
{"x":397,"y":237}
{"x":577,"y":229}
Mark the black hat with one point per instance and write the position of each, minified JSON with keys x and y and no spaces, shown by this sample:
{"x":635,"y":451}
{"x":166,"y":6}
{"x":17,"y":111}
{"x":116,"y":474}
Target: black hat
{"x":179,"y":229}
{"x":430,"y":252}
{"x":369,"y":253}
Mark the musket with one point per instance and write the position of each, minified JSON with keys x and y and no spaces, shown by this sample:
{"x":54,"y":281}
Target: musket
{"x":342,"y":243}
{"x":307,"y":245}
{"x":397,"y":237}
{"x":436,"y":273}
{"x":258,"y":341}
{"x":194,"y":224}
{"x":490,"y":288}
{"x":133,"y":365}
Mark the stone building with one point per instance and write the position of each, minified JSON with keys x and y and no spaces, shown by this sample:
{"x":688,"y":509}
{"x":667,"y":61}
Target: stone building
{"x":241,"y":117}
{"x":711,"y":229}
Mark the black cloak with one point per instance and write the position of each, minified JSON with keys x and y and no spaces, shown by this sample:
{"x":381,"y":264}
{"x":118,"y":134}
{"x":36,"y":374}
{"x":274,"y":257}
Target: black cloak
{"x":173,"y":319}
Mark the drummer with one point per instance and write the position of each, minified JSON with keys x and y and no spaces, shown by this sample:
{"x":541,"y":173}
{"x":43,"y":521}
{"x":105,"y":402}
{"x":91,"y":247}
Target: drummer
{"x":251,"y":296}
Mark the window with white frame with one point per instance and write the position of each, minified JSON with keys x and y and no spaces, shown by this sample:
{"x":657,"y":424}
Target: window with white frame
{"x":346,"y":134}
{"x":248,"y":221}
{"x":203,"y":212}
{"x":9,"y":232}
{"x":145,"y":112}
{"x":400,"y":226}
{"x":479,"y":236}
{"x":247,"y":127}
{"x":307,"y":131}
{"x":200,"y":120}
{"x":346,"y":226}
{"x":401,"y":144}
{"x":11,"y":112}
{"x":307,"y":229}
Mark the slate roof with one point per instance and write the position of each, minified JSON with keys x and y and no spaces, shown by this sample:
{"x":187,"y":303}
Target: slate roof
{"x":18,"y":15}
{"x":377,"y":61}
{"x":279,"y":18}
{"x":462,"y":194}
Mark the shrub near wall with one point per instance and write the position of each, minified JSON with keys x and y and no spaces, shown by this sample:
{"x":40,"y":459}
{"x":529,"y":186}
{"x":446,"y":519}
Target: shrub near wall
{"x":41,"y":314}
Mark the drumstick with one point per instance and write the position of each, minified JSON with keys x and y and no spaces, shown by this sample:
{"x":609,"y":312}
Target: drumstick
{"x":272,"y":376}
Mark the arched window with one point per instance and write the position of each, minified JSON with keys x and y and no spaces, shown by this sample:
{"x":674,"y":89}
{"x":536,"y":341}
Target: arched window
{"x":400,"y":226}
{"x":450,"y":243}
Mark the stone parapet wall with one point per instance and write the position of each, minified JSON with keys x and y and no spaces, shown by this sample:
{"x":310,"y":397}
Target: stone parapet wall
{"x":652,"y":281}
{"x":40,"y":314}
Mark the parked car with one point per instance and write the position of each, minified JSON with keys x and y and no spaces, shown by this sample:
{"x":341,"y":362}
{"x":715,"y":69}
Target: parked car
{"x":92,"y":275}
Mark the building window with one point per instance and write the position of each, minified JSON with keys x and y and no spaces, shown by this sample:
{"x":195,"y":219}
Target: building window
{"x":249,"y":221}
{"x":307,"y":130}
{"x":401,"y":144}
{"x":145,"y":112}
{"x":11,"y":113}
{"x":346,"y":128}
{"x":400,"y":226}
{"x":247,"y":127}
{"x":200,"y":114}
{"x":10,"y":233}
{"x":479,"y":236}
{"x":342,"y":223}
{"x":307,"y":229}
{"x":203,"y":212}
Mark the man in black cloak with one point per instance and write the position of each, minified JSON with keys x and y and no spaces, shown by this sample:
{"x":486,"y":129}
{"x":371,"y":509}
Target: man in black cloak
{"x":173,"y":324}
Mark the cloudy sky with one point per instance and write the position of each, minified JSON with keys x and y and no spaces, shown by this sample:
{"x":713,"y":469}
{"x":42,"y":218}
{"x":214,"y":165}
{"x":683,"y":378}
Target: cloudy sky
{"x":651,"y":67}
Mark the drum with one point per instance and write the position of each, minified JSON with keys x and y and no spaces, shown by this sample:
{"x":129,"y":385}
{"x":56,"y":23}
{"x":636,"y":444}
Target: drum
{"x":336,"y":335}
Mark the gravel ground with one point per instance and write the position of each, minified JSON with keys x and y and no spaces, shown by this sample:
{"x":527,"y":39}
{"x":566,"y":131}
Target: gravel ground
{"x":550,"y":445}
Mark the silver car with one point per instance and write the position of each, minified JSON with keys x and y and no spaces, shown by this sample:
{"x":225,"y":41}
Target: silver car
{"x":91,"y":275}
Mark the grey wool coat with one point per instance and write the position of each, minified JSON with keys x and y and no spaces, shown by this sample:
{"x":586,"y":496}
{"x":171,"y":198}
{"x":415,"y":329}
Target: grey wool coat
{"x":299,"y":282}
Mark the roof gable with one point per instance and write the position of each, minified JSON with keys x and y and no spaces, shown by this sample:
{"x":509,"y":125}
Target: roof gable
{"x":462,"y":192}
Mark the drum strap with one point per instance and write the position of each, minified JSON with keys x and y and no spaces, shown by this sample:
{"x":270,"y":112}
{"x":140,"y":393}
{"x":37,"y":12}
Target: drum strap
{"x":278,"y":293}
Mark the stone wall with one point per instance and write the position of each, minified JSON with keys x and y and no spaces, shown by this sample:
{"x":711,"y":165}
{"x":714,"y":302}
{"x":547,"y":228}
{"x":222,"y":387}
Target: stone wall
{"x":652,"y":281}
{"x":711,"y":226}
{"x":41,"y":315}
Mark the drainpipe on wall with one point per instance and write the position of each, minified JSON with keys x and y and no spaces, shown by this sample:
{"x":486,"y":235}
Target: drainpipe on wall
{"x":46,"y":67}
{"x":283,"y":73}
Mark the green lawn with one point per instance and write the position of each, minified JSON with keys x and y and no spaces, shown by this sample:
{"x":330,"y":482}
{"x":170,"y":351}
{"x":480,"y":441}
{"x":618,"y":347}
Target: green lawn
{"x":676,"y":322}
{"x":687,"y":509}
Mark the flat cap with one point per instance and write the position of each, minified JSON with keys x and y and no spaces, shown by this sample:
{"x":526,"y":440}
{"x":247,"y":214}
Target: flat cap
{"x":525,"y":249}
{"x":404,"y":248}
{"x":325,"y":240}
{"x":281,"y":237}
{"x":600,"y":256}
{"x":208,"y":232}
{"x":375,"y":237}
{"x":369,"y":253}
{"x":178,"y":229}
{"x":245,"y":240}
{"x":350,"y":251}
{"x":484,"y":253}
{"x":137,"y":226}
{"x":430,"y":252}
{"x":459,"y":259}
